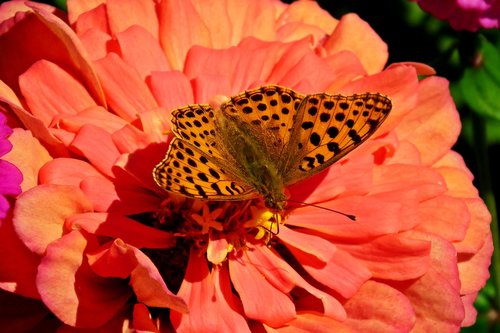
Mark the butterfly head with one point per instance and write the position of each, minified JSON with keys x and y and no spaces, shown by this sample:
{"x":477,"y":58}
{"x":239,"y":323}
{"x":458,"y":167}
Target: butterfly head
{"x":275,"y":202}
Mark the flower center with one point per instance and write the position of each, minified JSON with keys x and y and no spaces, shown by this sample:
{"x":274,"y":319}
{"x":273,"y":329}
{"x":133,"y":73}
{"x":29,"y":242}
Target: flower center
{"x":214,"y":227}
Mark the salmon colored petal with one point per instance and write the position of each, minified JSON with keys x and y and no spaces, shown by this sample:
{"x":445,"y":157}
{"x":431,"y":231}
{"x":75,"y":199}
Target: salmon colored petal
{"x":392,"y":257}
{"x":451,"y":224}
{"x":22,"y":263}
{"x":41,"y":86}
{"x":77,"y":8}
{"x":97,"y":116}
{"x":130,"y":139}
{"x":171,"y":89}
{"x":92,"y":19}
{"x":38,"y":226}
{"x":371,"y":218}
{"x":112,"y":260}
{"x":345,"y":67}
{"x":126,"y":93}
{"x":66,"y":171}
{"x":377,"y":307}
{"x":283,"y":276}
{"x":310,"y":322}
{"x":474,"y":269}
{"x":479,"y":227}
{"x":442,"y":123}
{"x":320,"y":248}
{"x":208,"y":314}
{"x":119,"y":226}
{"x":123,"y":14}
{"x":156,"y":123}
{"x":355,"y":35}
{"x":54,"y":42}
{"x":142,"y":319}
{"x":400,"y":83}
{"x":180,"y":28}
{"x":96,"y":145}
{"x":141,"y":50}
{"x":303,"y":18}
{"x":261,"y":301}
{"x":28,"y":164}
{"x":470,"y":310}
{"x":98,"y":43}
{"x":86,"y":302}
{"x":342,"y":273}
{"x":447,"y":310}
{"x":150,"y":288}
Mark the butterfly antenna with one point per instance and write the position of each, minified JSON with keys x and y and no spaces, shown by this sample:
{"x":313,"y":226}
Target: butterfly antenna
{"x":349,"y":216}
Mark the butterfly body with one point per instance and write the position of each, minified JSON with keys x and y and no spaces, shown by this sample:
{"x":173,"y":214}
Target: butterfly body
{"x":263,"y":140}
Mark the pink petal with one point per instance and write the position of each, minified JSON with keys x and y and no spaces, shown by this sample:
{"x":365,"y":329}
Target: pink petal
{"x":41,"y":86}
{"x":346,"y":67}
{"x":150,"y":288}
{"x":74,"y":293}
{"x":470,"y":310}
{"x":441,"y":124}
{"x":141,"y":50}
{"x":118,"y":226}
{"x":377,"y":307}
{"x":36,"y":224}
{"x":355,"y":35}
{"x":130,"y":139}
{"x":210,"y":301}
{"x":261,"y":301}
{"x":393,"y":257}
{"x":96,"y":145}
{"x":123,"y":14}
{"x":171,"y":89}
{"x":156,"y":123}
{"x":125,"y":91}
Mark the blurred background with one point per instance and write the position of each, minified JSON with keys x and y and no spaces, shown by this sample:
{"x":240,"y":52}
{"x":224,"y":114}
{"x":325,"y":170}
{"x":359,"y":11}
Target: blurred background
{"x":471,"y":62}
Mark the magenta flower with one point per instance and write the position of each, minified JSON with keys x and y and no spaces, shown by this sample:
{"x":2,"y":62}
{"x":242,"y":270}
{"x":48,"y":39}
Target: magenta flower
{"x":465,"y":14}
{"x":10,"y":176}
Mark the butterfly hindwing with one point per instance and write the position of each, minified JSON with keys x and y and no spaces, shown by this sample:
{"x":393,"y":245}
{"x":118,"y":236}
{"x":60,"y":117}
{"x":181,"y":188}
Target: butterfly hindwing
{"x":330,"y":126}
{"x":270,"y":113}
{"x":188,"y":171}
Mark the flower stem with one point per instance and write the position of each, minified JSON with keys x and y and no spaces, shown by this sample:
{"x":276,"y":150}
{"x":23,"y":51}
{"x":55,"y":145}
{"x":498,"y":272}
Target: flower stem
{"x":486,"y":189}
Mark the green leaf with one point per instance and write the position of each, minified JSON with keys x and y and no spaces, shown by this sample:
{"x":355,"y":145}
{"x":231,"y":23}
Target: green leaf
{"x":480,"y":85}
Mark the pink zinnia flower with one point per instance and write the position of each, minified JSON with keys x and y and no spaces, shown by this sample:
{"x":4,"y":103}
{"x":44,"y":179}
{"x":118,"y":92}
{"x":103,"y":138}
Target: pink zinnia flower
{"x":465,"y":14}
{"x":93,"y":240}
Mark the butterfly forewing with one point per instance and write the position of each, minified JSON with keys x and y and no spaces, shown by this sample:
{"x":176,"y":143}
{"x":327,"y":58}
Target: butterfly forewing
{"x":189,"y":171}
{"x":328,"y":127}
{"x":270,"y":113}
{"x":196,"y":124}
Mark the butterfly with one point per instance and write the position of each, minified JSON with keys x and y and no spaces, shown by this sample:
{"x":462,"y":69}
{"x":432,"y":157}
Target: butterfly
{"x":263,"y":140}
